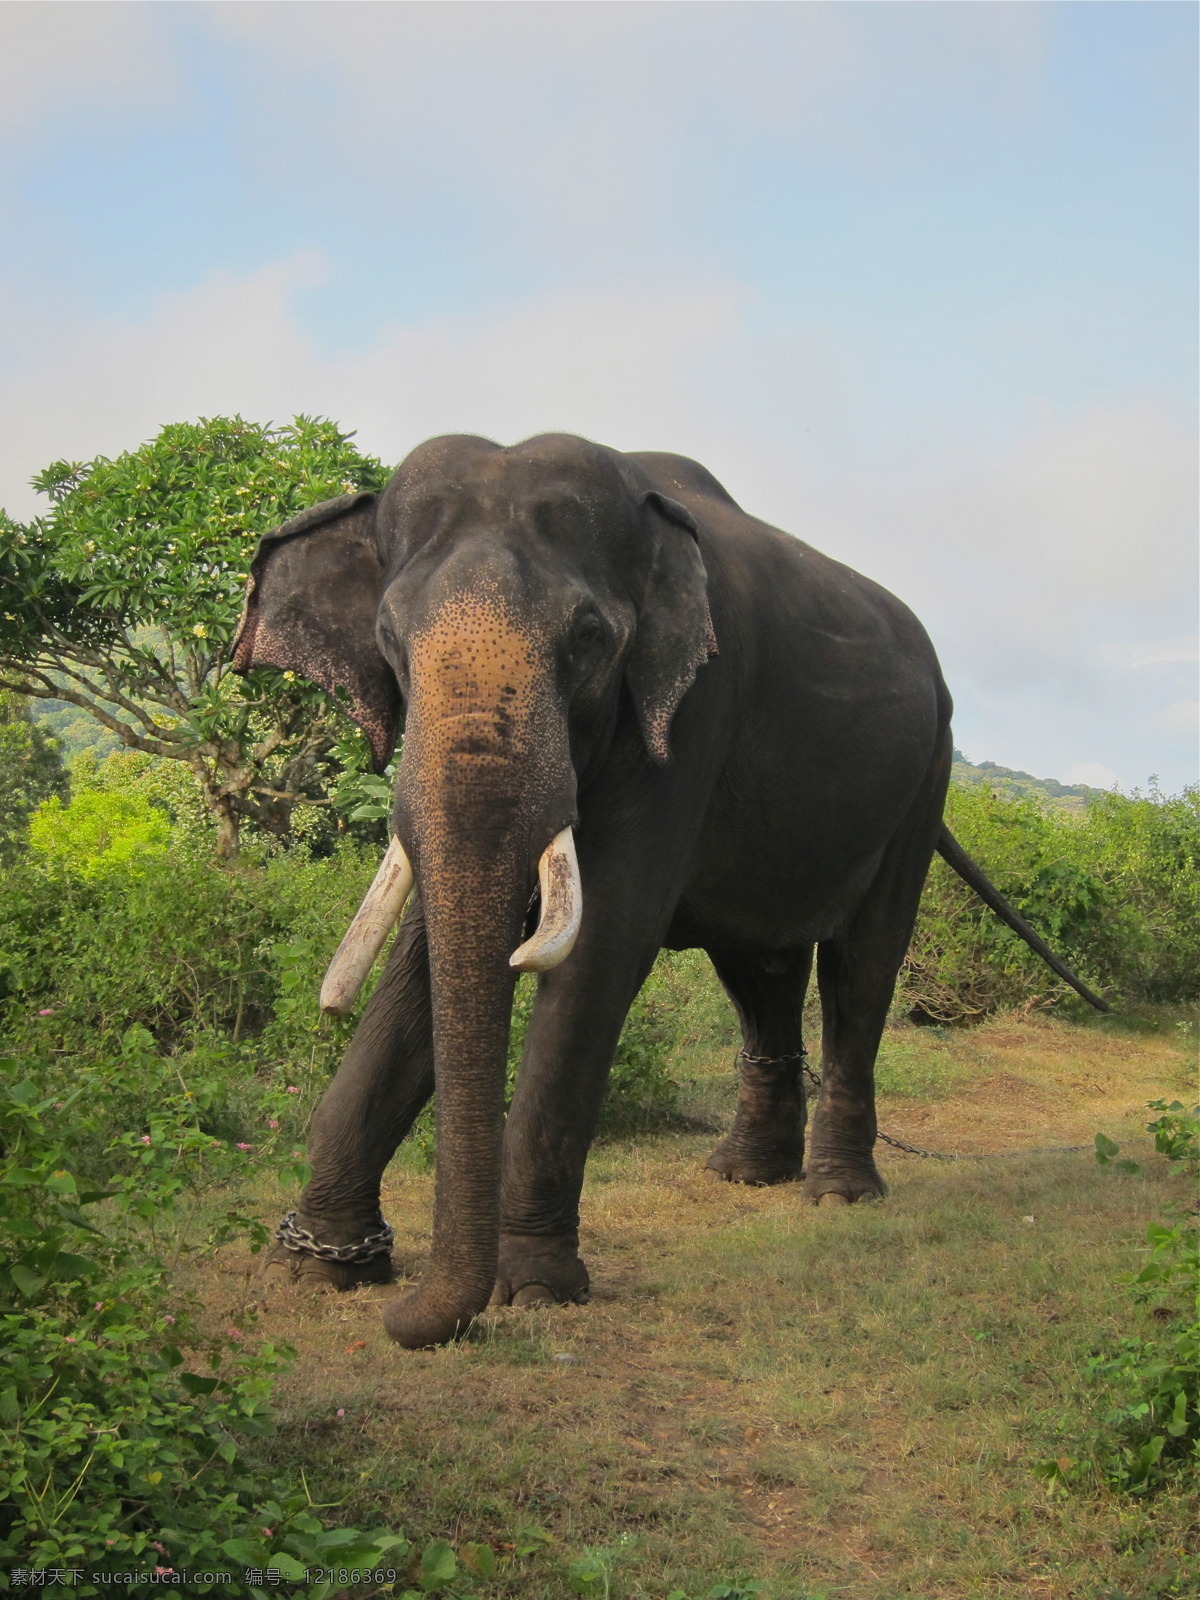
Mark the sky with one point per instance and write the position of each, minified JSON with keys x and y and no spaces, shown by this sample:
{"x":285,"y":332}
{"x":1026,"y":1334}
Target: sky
{"x":916,"y":281}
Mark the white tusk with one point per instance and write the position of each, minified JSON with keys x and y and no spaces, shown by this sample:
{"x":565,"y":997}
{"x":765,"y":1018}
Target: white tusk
{"x":562,"y":908}
{"x":365,"y":937}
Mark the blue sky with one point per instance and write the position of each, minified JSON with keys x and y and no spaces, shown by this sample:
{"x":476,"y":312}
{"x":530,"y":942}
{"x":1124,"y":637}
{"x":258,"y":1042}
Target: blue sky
{"x":917,"y":281}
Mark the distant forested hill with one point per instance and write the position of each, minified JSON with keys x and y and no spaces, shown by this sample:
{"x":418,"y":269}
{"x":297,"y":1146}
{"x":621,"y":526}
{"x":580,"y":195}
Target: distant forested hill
{"x":1008,"y":781}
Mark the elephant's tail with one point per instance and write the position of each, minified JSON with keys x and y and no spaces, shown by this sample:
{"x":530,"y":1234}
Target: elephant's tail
{"x":971,"y":873}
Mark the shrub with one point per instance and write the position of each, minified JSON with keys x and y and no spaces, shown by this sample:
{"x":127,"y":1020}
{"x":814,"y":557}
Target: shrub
{"x":1113,"y":892}
{"x":127,"y":1428}
{"x":99,"y":835}
{"x":1150,"y":1435}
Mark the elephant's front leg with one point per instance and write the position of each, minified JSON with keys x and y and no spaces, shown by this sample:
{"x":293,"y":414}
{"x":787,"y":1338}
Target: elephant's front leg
{"x":572,"y":1038}
{"x":385,"y":1078}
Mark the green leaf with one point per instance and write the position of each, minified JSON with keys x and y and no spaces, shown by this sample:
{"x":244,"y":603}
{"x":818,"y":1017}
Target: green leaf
{"x":28,"y":1282}
{"x":1106,"y":1149}
{"x":294,"y":1571}
{"x":479,"y":1559}
{"x":66,"y":1265}
{"x":588,"y":1575}
{"x":250,"y":1552}
{"x":10,"y":1408}
{"x":438,"y":1566}
{"x":194,"y":1384}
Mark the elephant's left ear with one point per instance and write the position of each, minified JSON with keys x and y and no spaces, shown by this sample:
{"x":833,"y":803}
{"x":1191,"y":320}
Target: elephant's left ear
{"x":311,"y":603}
{"x":674,"y":636}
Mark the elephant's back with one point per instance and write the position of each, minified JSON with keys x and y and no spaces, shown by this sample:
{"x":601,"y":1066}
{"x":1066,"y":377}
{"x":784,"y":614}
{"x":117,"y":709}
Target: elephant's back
{"x":680,"y":476}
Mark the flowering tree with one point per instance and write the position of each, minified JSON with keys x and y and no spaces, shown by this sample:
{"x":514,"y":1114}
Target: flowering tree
{"x":124,"y":597}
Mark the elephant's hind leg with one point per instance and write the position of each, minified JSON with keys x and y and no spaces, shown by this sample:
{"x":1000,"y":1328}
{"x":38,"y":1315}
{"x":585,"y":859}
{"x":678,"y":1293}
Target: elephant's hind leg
{"x":766,"y":1143}
{"x":856,"y":972}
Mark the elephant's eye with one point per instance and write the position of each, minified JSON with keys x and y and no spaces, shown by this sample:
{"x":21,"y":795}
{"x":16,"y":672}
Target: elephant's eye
{"x":587,"y":638}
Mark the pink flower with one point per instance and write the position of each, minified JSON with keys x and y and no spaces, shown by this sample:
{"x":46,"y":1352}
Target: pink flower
{"x":169,"y":1319}
{"x":46,"y":1011}
{"x":269,"y":1533}
{"x":145,"y":1138}
{"x":67,"y":1339}
{"x":161,"y":1548}
{"x":245,"y":1146}
{"x":297,"y":1152}
{"x":235,"y":1333}
{"x":271,"y":1122}
{"x":99,"y":1305}
{"x":164,"y":1572}
{"x":292,"y":1089}
{"x":341,"y":1411}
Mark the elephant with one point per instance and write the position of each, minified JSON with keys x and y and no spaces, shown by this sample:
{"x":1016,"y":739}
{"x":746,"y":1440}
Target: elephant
{"x":635,"y":717}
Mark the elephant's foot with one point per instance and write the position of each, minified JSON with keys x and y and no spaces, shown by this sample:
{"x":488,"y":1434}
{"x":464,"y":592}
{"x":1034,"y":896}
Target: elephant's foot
{"x":760,"y":1163}
{"x":335,"y":1253}
{"x":535,"y":1271}
{"x":842,"y":1182}
{"x":283,"y":1267}
{"x":766,"y":1143}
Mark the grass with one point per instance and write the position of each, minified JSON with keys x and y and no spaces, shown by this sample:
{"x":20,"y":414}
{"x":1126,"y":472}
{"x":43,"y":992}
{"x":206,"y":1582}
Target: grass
{"x":843,"y":1403}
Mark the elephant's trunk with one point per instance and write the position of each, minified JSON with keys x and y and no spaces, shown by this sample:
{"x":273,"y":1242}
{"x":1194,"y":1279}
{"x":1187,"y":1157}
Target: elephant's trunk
{"x":473,"y":917}
{"x":485,"y":785}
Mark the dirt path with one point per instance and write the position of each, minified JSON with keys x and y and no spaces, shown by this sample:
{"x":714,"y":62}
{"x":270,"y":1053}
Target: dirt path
{"x":845,"y":1403}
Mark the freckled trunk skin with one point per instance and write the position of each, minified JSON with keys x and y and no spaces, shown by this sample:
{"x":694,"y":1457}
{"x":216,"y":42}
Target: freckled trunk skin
{"x":485,"y":775}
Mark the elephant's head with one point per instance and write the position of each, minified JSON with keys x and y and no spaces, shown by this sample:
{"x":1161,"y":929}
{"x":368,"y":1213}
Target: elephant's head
{"x":516,"y":602}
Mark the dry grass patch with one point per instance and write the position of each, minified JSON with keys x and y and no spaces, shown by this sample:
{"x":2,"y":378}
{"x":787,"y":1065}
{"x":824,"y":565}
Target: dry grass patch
{"x":845,"y":1403}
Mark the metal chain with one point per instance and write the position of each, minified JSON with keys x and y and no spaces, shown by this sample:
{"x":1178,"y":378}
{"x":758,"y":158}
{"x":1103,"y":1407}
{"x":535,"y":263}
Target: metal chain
{"x":899,"y":1144}
{"x":293,"y":1237}
{"x":987,"y":1155}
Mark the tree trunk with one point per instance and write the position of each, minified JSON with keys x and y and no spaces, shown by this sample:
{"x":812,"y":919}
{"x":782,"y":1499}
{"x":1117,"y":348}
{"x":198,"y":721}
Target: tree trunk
{"x":228,"y":831}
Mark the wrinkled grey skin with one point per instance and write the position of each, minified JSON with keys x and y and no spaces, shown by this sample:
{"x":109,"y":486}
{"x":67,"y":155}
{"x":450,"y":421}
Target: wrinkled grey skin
{"x":752,"y":743}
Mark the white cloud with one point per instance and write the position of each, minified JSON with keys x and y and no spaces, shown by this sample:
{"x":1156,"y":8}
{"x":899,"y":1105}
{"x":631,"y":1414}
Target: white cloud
{"x":1182,"y":717}
{"x":1093,"y":773}
{"x":1166,"y":650}
{"x":572,"y":125}
{"x":68,"y":58}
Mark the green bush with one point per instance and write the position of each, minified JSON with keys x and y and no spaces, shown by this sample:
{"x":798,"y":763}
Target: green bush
{"x":187,"y":976}
{"x":1150,"y":1435}
{"x":1112,"y":891}
{"x":99,"y":835}
{"x":127,"y":1429}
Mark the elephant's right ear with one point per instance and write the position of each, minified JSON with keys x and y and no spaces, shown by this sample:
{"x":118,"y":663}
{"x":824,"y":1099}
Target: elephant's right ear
{"x":311,"y":601}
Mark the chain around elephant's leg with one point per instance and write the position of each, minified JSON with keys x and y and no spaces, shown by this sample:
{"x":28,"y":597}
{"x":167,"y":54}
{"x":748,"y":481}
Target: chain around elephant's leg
{"x":766,"y":1143}
{"x":335,"y":1238}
